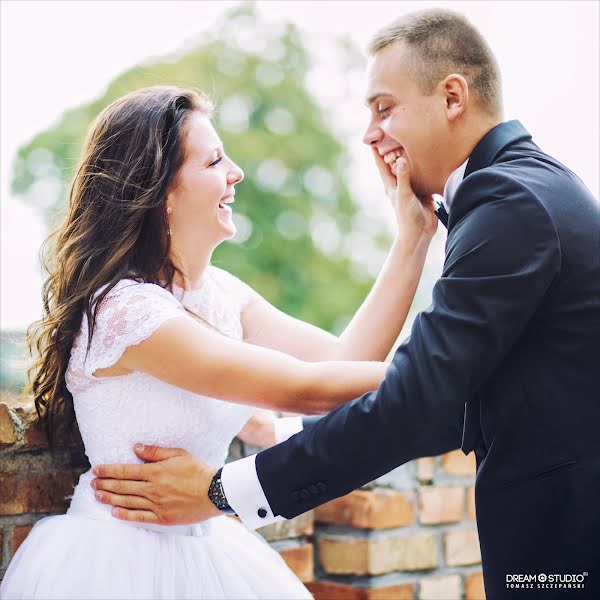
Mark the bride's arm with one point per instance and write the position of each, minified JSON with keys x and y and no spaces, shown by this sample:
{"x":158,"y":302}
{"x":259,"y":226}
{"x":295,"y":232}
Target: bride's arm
{"x":371,"y":332}
{"x":189,"y":355}
{"x":377,"y":323}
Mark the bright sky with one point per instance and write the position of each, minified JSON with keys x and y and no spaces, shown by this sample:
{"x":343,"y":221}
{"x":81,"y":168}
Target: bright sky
{"x":57,"y":55}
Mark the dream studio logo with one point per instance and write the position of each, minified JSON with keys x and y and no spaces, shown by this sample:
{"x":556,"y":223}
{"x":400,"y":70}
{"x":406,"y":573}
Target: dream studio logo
{"x":564,"y":581}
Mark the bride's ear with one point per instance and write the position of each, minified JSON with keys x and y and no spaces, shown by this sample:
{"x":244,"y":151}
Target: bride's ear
{"x":456,"y":94}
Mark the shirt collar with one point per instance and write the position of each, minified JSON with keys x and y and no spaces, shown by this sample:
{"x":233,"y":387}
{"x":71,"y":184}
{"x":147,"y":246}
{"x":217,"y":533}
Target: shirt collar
{"x":452,"y":184}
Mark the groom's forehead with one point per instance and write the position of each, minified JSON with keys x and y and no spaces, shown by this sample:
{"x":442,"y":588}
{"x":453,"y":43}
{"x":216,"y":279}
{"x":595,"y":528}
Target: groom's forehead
{"x":386,"y":71}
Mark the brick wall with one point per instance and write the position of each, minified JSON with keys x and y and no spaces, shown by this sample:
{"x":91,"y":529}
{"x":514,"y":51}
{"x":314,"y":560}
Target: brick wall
{"x":410,"y":534}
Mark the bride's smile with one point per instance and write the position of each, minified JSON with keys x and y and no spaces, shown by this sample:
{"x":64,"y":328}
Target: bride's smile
{"x":201,"y":198}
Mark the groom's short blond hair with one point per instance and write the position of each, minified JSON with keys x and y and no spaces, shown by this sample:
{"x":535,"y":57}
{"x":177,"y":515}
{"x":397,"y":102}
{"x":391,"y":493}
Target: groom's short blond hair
{"x":441,"y":42}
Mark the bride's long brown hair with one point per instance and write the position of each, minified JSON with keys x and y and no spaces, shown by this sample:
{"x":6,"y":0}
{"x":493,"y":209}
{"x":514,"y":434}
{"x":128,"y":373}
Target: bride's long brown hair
{"x":115,"y":227}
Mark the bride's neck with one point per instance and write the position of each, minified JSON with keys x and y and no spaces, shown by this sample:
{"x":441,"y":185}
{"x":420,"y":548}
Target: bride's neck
{"x":192,"y":266}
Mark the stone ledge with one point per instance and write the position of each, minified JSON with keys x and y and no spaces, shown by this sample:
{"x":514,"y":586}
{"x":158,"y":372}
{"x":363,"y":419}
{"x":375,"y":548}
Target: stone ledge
{"x":20,"y":430}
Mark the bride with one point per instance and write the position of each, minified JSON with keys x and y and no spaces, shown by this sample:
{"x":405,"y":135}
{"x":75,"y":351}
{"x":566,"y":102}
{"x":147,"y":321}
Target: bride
{"x":143,"y":340}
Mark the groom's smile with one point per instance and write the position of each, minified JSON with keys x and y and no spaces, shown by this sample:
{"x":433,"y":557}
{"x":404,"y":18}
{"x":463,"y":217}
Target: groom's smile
{"x":407,"y":120}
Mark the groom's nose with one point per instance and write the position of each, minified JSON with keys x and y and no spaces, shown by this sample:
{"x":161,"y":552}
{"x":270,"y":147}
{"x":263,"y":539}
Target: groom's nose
{"x":372,"y":135}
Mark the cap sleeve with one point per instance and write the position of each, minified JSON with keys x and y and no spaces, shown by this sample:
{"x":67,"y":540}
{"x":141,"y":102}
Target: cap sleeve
{"x":130,"y":313}
{"x":234,"y":287}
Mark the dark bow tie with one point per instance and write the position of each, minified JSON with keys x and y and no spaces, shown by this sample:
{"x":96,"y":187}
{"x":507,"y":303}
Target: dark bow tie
{"x":442,"y":215}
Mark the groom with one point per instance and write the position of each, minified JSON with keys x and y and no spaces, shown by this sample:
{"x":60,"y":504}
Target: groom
{"x":505,"y":362}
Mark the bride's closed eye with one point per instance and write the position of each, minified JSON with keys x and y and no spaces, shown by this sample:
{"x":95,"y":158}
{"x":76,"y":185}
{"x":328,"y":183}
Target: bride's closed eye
{"x":216,"y":162}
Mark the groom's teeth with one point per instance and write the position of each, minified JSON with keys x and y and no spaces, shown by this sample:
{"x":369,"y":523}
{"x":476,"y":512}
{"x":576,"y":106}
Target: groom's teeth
{"x":392,"y":157}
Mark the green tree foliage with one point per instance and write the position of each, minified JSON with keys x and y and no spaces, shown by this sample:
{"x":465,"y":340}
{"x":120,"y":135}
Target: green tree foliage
{"x":275,"y":130}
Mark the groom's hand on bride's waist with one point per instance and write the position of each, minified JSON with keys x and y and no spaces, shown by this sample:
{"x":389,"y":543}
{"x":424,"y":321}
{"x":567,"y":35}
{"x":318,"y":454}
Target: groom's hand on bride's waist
{"x":170,"y":489}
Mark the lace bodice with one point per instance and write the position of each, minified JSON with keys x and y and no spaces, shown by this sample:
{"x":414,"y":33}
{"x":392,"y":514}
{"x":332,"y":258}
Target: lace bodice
{"x":113,"y":413}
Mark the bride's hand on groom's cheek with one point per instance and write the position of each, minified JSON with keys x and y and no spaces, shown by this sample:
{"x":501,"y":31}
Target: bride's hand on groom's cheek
{"x":415,"y":216}
{"x":170,"y":489}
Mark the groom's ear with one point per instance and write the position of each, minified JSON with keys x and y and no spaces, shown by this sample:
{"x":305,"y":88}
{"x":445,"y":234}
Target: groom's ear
{"x":456,"y":92}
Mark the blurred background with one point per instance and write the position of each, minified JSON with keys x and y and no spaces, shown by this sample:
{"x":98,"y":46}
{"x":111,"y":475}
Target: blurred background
{"x":287,"y":77}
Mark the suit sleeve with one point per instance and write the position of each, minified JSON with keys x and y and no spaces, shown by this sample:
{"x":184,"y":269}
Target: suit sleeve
{"x":502,"y":255}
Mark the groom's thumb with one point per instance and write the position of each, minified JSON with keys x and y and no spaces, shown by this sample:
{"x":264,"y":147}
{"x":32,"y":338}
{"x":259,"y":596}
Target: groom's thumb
{"x":156,"y":453}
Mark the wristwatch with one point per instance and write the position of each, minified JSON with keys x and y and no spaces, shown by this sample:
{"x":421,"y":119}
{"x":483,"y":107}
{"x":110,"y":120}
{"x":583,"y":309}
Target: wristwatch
{"x":217,"y":496}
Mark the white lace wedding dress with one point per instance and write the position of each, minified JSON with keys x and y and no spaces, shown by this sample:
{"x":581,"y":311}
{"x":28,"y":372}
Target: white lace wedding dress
{"x":87,"y":553}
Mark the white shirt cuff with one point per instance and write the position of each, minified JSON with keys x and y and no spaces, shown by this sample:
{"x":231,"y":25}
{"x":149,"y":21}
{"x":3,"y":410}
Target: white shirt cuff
{"x":286,"y":427}
{"x":245,"y":494}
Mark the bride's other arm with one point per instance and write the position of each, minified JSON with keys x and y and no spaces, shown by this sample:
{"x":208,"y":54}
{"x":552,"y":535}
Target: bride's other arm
{"x":189,"y":355}
{"x":375,"y":327}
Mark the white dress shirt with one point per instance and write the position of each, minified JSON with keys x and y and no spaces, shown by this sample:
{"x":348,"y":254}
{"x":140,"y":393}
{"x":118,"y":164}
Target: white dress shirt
{"x":240,"y":481}
{"x":452,"y":184}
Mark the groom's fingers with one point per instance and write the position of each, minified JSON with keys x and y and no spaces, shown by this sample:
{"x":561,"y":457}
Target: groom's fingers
{"x":157,"y":453}
{"x":129,"y":502}
{"x":122,"y":486}
{"x":132,"y":472}
{"x":139,"y":516}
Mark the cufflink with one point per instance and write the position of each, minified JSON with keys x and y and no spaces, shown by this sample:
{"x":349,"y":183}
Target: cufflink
{"x":262,"y":512}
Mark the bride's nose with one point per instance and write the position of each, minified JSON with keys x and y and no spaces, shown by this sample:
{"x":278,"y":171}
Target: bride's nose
{"x":235,"y":174}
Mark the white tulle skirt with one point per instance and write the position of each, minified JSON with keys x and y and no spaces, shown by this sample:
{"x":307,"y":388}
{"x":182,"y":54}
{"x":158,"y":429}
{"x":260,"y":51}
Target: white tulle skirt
{"x":70,"y":556}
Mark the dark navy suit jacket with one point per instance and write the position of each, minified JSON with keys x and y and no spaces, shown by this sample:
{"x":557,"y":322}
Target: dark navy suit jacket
{"x":505,"y":362}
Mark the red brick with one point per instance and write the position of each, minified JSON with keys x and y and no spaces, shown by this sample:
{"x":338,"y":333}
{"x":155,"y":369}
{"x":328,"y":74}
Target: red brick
{"x":35,"y":437}
{"x":364,"y":556}
{"x":441,"y":504}
{"x":425,"y":468}
{"x":36,"y":492}
{"x":325,"y":590}
{"x":300,"y":525}
{"x":19,"y":535}
{"x":1,"y":546}
{"x":369,"y":509}
{"x":462,"y":547}
{"x":457,"y":464}
{"x":474,"y":588}
{"x":300,"y":559}
{"x":8,"y":432}
{"x":471,"y":503}
{"x":440,"y":587}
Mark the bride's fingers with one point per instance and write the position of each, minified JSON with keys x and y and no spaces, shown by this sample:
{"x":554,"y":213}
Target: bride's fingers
{"x":404,"y":190}
{"x":384,"y":171}
{"x":130,"y":502}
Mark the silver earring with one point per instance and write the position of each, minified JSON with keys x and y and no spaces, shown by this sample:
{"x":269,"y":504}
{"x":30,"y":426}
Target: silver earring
{"x":169,"y":210}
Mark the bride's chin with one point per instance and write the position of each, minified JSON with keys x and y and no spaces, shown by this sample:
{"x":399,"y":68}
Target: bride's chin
{"x":229,"y":231}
